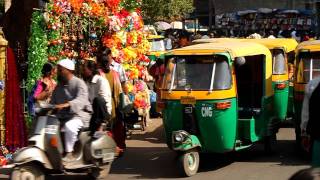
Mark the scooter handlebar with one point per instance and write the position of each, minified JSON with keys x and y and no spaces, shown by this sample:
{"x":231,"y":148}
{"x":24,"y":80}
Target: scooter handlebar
{"x":44,"y":109}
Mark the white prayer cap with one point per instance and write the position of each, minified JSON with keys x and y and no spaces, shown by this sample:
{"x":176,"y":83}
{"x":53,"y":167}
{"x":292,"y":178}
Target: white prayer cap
{"x":67,"y":63}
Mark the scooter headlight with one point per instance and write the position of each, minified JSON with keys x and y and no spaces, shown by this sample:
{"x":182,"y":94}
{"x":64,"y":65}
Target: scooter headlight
{"x":179,"y":137}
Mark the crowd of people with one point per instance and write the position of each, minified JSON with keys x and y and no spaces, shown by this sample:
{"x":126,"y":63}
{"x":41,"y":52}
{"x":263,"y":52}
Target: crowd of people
{"x":175,"y":38}
{"x":299,"y":35}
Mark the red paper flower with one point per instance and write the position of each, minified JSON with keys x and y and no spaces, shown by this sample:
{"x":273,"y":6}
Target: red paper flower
{"x":113,"y":4}
{"x":107,"y":40}
{"x":124,"y":13}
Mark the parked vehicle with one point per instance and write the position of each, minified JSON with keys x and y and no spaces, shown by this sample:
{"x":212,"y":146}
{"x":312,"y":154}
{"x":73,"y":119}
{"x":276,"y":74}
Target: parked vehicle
{"x":43,"y":155}
{"x":157,"y":47}
{"x":281,"y":50}
{"x":218,"y":98}
{"x":307,"y":67}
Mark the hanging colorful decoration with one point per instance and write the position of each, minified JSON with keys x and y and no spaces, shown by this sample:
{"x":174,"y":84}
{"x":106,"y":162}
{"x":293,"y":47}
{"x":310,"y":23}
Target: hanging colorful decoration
{"x":37,"y":52}
{"x":3,"y":73}
{"x":77,"y":28}
{"x":16,"y":131}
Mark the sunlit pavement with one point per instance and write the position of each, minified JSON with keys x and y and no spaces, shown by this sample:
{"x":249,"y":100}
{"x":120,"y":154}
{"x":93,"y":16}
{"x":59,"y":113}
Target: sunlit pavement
{"x":147,"y":157}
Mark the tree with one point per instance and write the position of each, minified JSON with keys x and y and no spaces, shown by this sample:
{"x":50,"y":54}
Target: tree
{"x":179,"y":9}
{"x":154,"y":10}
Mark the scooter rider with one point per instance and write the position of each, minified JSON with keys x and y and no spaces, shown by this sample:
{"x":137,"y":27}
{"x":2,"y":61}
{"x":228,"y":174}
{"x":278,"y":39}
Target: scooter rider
{"x":71,"y":101}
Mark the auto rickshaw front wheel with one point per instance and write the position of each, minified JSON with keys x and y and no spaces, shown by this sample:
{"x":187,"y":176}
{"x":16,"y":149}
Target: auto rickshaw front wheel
{"x":189,"y":162}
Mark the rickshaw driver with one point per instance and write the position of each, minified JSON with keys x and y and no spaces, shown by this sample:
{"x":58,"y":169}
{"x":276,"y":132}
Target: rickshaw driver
{"x":309,"y":118}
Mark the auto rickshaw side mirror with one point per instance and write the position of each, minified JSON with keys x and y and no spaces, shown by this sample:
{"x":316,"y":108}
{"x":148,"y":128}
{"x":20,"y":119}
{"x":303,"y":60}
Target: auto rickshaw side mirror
{"x":239,"y":61}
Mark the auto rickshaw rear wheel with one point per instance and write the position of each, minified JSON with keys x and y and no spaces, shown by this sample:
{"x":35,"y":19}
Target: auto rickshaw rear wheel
{"x":269,"y":144}
{"x":189,"y":162}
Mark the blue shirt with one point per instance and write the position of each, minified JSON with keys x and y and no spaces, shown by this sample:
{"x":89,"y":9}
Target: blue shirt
{"x":120,"y":70}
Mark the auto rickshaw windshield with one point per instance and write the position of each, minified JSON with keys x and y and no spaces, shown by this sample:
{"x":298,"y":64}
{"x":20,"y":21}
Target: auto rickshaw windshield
{"x":279,"y":62}
{"x":198,"y":73}
{"x":157,"y":45}
{"x":308,"y":67}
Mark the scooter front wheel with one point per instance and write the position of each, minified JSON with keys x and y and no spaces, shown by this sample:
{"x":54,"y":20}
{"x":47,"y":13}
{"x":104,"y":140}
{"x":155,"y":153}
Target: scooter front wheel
{"x":189,"y":162}
{"x":100,"y":173}
{"x":27,"y":172}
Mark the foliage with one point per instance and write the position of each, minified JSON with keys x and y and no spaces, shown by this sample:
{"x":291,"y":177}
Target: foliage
{"x":37,"y":52}
{"x":180,"y":8}
{"x":131,"y":5}
{"x":154,"y":10}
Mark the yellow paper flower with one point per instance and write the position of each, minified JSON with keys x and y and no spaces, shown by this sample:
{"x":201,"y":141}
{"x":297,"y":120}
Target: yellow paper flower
{"x":122,"y":36}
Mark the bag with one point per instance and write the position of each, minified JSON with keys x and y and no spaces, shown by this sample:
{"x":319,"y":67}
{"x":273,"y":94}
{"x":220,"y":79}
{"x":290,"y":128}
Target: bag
{"x":153,"y":96}
{"x":132,"y":117}
{"x":31,"y":102}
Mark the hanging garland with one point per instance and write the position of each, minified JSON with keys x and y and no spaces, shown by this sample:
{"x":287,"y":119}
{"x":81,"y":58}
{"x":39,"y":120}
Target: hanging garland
{"x":37,"y":52}
{"x":76,"y":28}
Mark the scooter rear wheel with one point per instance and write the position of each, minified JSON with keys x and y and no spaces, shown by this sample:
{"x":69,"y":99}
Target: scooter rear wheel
{"x":27,"y":172}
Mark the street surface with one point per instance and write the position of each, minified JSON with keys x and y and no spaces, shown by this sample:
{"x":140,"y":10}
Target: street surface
{"x":147,"y":157}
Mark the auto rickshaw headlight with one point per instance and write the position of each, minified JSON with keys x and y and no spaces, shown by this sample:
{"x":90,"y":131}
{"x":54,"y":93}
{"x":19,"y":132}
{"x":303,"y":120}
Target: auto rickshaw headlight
{"x":180,"y":136}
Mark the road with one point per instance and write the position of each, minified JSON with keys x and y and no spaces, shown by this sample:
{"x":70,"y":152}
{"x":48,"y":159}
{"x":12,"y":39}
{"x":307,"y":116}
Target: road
{"x":147,"y":157}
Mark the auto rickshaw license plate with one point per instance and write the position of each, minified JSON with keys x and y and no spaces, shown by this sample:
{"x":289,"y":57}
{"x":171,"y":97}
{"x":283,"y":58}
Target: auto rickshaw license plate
{"x":188,"y":100}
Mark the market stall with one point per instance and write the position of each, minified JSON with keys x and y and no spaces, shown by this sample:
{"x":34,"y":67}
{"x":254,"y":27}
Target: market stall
{"x":13,"y":131}
{"x":265,"y":19}
{"x":76,"y":29}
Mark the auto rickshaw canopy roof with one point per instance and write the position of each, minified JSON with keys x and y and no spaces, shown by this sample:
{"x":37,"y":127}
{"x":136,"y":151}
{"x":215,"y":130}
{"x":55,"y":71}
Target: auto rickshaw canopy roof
{"x":311,"y":46}
{"x":214,"y":40}
{"x":286,"y":44}
{"x":151,"y":37}
{"x":235,"y":49}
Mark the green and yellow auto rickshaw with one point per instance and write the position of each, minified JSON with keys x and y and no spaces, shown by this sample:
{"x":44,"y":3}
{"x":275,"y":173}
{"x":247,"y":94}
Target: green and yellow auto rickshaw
{"x":307,"y":67}
{"x":218,"y":98}
{"x":282,"y":51}
{"x":158,"y":49}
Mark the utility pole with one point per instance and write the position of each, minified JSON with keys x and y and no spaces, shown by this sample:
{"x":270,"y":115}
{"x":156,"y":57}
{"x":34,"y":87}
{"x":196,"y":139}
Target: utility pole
{"x":318,"y":17}
{"x":7,"y":5}
{"x":290,"y":4}
{"x":211,"y":14}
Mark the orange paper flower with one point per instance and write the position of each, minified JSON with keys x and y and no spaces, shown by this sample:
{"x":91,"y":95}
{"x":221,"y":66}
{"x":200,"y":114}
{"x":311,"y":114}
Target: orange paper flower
{"x":76,"y":5}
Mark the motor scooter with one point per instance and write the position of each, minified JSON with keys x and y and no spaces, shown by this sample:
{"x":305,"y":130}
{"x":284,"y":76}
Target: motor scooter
{"x":43,"y":155}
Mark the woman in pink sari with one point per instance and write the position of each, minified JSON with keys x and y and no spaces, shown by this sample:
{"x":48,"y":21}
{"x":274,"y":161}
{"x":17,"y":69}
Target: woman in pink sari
{"x":45,"y":85}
